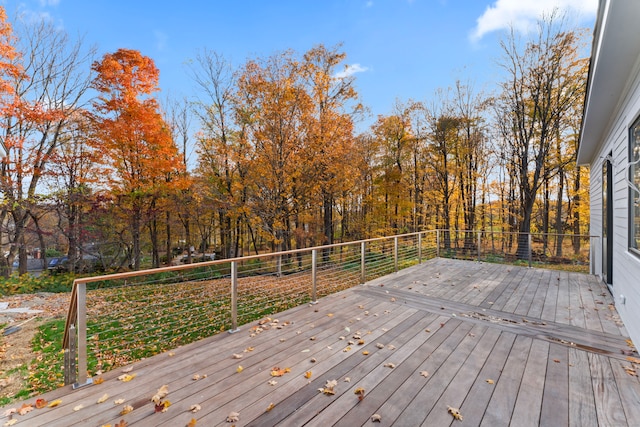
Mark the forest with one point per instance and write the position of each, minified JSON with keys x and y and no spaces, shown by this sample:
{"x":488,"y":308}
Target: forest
{"x":94,"y":157}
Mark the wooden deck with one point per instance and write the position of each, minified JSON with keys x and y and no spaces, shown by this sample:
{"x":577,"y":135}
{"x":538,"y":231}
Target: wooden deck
{"x":506,"y":345}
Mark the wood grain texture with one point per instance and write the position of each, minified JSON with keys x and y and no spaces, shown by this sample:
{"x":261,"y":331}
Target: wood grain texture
{"x":548,"y":341}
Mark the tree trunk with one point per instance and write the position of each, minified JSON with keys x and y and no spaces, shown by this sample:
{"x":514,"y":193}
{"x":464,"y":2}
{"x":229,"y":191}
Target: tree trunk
{"x":558,"y":221}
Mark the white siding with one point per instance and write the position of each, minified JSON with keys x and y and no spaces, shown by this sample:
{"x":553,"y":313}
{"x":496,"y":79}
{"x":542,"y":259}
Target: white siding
{"x":626,"y":266}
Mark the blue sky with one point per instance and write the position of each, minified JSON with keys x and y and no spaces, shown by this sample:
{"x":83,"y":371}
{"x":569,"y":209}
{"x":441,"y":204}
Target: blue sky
{"x":399,"y":49}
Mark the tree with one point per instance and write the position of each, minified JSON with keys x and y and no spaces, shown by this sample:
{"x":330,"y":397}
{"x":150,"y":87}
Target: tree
{"x":536,"y":95}
{"x":48,"y":81}
{"x":72,"y":176}
{"x":217,"y":144}
{"x":273,"y":108}
{"x":133,"y":136}
{"x":334,"y":101}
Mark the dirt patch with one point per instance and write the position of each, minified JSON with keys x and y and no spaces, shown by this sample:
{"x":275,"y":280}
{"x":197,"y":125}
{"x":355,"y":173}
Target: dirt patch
{"x":15,"y":357}
{"x":15,"y":347}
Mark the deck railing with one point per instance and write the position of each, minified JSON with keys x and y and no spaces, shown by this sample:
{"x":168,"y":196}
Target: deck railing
{"x":116,"y":319}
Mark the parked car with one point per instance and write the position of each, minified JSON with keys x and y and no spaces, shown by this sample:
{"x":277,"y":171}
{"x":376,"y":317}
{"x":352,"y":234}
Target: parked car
{"x":88,"y":264}
{"x":198,"y":258}
{"x":55,"y":264}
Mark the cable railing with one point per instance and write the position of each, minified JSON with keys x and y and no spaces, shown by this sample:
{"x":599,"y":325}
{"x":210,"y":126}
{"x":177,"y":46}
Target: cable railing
{"x":116,"y":319}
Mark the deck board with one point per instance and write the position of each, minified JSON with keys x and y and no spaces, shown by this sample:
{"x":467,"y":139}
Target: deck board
{"x":549,"y":341}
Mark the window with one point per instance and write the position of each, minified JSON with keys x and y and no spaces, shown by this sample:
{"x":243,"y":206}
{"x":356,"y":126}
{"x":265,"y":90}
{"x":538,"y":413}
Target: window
{"x":634,"y":188}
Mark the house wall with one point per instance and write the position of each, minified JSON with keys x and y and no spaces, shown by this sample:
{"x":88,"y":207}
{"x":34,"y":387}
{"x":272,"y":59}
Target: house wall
{"x":626,"y":266}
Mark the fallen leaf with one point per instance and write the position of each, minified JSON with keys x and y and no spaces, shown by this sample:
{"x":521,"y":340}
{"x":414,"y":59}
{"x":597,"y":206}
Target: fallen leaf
{"x":195,"y":377}
{"x":393,"y":299}
{"x":126,"y":410}
{"x":389,"y":365}
{"x":162,"y":406}
{"x":631,"y":371}
{"x":272,"y":382}
{"x":239,"y":369}
{"x":237,"y":356}
{"x":41,"y":403}
{"x":330,"y":315}
{"x":328,"y":387}
{"x":346,"y":349}
{"x":192,"y":423}
{"x":424,"y":373}
{"x":277,"y":372}
{"x":25,"y":409}
{"x":313,"y":360}
{"x":347,"y":380}
{"x":490,"y":382}
{"x":455,"y":413}
{"x":308,"y":374}
{"x":359,"y":392}
{"x":380,"y":345}
{"x":125,"y":378}
{"x":634,"y":360}
{"x":376,"y":418}
{"x":77,"y":408}
{"x":98,"y":380}
{"x":103,"y":398}
{"x":127,"y":370}
{"x":391,"y":347}
{"x":248,"y":349}
{"x":556,"y":360}
{"x":11,"y":422}
{"x":233,"y":417}
{"x":122,"y":423}
{"x":160,"y":394}
{"x":195,"y":408}
{"x":270,"y":407}
{"x":366,"y":353}
{"x":55,"y":403}
{"x":306,"y":350}
{"x":171,"y":354}
{"x":10,"y":411}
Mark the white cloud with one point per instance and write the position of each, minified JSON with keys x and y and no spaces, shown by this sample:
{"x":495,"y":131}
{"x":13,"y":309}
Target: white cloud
{"x":522,"y":15}
{"x":350,"y":70}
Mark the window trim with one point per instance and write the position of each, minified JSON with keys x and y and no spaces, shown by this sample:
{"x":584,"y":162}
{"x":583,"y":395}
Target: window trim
{"x":634,"y":216}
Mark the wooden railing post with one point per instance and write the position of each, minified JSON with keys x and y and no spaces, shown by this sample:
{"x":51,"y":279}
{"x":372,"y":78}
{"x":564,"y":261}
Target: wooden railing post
{"x":530,"y":252}
{"x":438,"y":243}
{"x":479,"y":243}
{"x":395,"y":254}
{"x":363,"y":274}
{"x":234,"y":297}
{"x":420,"y":248}
{"x":314,"y":275}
